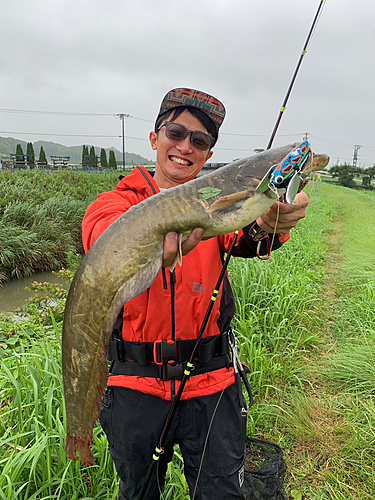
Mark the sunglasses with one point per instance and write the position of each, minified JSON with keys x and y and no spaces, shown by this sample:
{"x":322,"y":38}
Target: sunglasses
{"x":177,"y":133}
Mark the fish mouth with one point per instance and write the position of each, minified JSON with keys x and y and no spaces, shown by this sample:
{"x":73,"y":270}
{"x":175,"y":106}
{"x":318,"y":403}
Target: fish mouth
{"x":180,"y":161}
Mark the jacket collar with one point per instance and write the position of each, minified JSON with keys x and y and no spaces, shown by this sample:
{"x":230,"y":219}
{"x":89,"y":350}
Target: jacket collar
{"x":139,"y":180}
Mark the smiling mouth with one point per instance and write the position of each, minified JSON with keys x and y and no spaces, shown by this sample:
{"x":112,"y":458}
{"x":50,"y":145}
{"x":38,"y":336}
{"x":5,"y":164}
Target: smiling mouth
{"x":180,"y":161}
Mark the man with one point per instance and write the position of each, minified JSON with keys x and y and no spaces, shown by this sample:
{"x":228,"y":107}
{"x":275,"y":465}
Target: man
{"x":156,"y":333}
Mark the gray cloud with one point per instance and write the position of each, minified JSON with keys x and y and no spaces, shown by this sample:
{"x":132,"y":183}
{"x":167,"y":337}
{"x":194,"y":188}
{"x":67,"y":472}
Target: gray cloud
{"x":121,"y":56}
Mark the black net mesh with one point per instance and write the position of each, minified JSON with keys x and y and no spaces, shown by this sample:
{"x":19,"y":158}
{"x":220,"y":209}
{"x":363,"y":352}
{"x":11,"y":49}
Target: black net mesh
{"x":264,"y":471}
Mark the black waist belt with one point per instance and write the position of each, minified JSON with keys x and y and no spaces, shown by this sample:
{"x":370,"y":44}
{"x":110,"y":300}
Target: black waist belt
{"x":166,"y":351}
{"x":167,"y":371}
{"x":167,"y":359}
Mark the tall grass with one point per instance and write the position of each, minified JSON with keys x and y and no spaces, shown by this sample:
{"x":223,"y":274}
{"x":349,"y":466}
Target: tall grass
{"x":40,"y":218}
{"x":333,"y":417}
{"x":277,"y":303}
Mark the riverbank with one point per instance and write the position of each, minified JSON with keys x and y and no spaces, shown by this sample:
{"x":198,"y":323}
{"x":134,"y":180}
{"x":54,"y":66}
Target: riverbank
{"x":14,"y":293}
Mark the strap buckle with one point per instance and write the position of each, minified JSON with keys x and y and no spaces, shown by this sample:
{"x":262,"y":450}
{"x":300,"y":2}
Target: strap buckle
{"x":169,"y":371}
{"x":115,"y":349}
{"x":165,"y":351}
{"x":256,"y":233}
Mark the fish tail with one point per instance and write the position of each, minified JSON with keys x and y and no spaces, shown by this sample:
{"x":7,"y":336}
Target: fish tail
{"x":74,"y":444}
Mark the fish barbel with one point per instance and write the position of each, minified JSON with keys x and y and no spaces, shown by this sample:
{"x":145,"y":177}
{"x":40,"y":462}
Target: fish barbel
{"x":126,"y":259}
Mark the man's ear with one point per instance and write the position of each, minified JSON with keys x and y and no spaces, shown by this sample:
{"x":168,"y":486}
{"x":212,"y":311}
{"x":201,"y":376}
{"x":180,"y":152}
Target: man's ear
{"x":210,"y":153}
{"x":154,"y":140}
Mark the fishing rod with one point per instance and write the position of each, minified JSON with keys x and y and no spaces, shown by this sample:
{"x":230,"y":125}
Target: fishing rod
{"x":256,"y":232}
{"x":303,"y":53}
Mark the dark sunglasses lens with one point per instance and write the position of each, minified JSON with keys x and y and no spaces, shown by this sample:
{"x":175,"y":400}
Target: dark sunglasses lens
{"x":201,"y":141}
{"x":175,"y":132}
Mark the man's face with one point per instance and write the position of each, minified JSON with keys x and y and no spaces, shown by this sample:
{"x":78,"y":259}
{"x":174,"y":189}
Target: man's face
{"x":178,"y":162}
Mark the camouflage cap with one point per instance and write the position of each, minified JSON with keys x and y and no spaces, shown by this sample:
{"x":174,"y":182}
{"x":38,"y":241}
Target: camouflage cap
{"x":190,"y":97}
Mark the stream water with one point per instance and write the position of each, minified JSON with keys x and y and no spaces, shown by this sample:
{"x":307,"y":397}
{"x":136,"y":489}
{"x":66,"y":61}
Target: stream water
{"x":13,"y":293}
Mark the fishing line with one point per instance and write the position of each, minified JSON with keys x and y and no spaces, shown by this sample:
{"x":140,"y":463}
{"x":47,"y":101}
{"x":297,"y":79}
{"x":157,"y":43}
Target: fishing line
{"x":268,"y":259}
{"x":316,"y":188}
{"x":159,"y":485}
{"x":204,"y":446}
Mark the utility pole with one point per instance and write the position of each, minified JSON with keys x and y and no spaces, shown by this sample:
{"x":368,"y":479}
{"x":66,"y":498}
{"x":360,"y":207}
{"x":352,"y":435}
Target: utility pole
{"x":306,"y":136}
{"x":122,"y":117}
{"x":355,"y":155}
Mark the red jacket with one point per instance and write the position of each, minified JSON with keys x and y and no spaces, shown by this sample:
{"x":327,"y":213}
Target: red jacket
{"x":175,"y":305}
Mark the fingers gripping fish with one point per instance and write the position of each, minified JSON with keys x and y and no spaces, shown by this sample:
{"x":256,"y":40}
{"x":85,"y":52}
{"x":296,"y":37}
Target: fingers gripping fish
{"x":126,"y":259}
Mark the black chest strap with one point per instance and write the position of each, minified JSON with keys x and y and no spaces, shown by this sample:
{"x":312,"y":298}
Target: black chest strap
{"x":167,"y":371}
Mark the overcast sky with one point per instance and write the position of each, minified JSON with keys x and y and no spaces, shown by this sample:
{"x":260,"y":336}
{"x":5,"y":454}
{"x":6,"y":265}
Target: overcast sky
{"x":100,"y":58}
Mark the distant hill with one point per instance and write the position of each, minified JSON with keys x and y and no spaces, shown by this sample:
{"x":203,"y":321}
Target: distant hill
{"x":8,"y":145}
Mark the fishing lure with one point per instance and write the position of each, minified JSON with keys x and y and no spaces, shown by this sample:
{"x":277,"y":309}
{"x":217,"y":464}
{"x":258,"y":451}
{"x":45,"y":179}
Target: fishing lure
{"x":288,"y":173}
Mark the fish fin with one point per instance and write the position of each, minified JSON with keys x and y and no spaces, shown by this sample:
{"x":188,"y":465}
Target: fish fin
{"x":229,"y":201}
{"x":178,"y":258}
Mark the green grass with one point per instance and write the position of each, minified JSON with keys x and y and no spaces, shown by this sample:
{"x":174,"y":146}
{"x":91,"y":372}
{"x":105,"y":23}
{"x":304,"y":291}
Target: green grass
{"x":33,"y":463}
{"x":330,"y":422}
{"x":306,"y":328}
{"x":40,"y":218}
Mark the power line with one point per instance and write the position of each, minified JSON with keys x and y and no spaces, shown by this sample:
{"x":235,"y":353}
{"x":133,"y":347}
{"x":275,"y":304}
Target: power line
{"x":67,"y":113}
{"x":332,"y":142}
{"x":40,"y":112}
{"x":258,"y":135}
{"x":71,"y":113}
{"x":59,"y":135}
{"x":233,"y":149}
{"x":73,"y":135}
{"x":112,"y":136}
{"x":139,"y":138}
{"x":337,"y":144}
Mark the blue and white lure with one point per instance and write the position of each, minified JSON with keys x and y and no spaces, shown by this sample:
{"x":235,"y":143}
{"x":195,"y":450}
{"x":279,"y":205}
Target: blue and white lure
{"x":287,"y":173}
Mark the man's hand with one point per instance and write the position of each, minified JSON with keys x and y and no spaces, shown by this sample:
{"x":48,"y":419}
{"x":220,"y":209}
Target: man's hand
{"x":283,"y":216}
{"x":171,"y":245}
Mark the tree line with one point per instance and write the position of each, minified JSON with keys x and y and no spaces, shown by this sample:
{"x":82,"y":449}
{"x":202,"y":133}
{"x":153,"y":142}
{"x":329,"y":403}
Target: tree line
{"x":29,"y":157}
{"x":89,"y":157}
{"x":346,"y":173}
